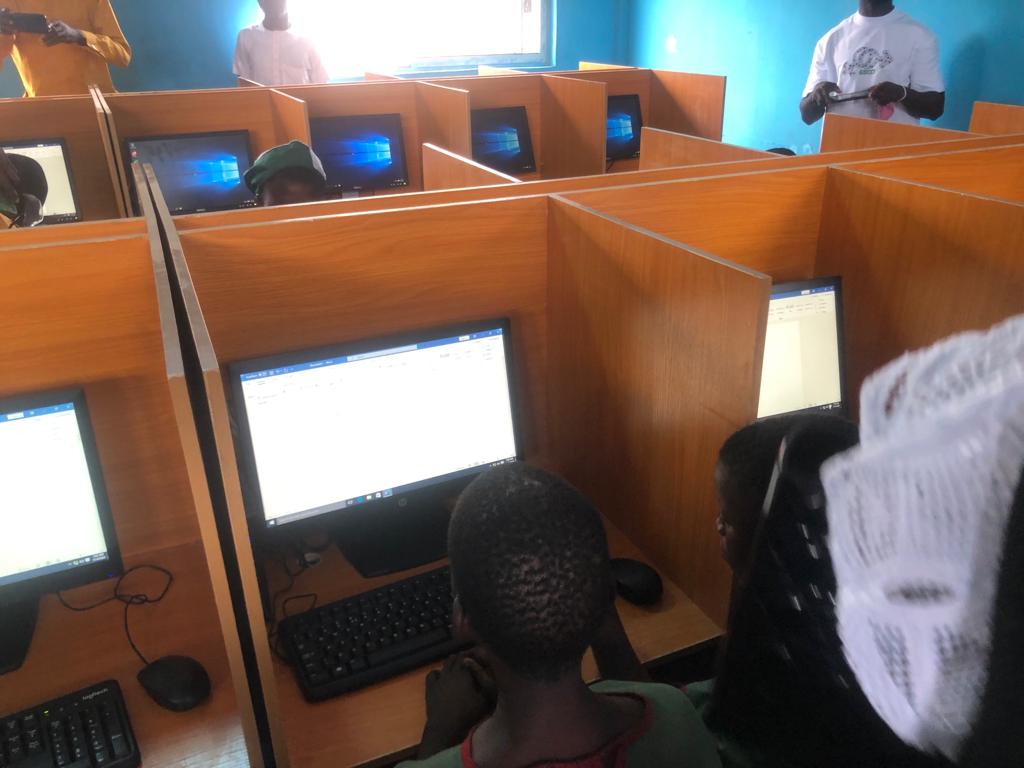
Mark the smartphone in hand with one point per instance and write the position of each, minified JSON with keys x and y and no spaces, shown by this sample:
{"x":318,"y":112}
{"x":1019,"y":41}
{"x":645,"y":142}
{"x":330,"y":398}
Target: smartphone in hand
{"x":26,"y":23}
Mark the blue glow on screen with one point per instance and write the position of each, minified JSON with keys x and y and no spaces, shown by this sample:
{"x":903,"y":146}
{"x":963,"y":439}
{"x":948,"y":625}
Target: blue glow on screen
{"x":501,"y":139}
{"x":624,"y":123}
{"x":361,"y":152}
{"x":620,"y":127}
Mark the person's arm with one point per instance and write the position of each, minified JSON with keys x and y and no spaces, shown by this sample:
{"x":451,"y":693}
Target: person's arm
{"x":927,"y":92}
{"x":820,"y":83}
{"x":241,"y":68}
{"x":317,"y":70}
{"x":920,"y":104}
{"x":105,"y":38}
{"x":815,"y":104}
{"x":614,"y":654}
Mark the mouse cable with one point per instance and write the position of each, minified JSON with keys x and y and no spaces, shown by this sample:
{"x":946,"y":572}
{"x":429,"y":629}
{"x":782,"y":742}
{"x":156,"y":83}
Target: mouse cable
{"x":128,"y":599}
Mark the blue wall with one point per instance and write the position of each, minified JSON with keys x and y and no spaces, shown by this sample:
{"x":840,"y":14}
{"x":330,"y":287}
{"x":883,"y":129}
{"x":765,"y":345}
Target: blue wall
{"x":765,"y":50}
{"x":190,"y":43}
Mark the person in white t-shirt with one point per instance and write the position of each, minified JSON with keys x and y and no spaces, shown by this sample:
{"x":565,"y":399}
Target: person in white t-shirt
{"x":272,"y":54}
{"x":885,"y":53}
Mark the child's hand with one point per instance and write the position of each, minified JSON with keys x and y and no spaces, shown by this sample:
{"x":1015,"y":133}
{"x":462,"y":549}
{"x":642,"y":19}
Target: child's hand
{"x":459,"y":696}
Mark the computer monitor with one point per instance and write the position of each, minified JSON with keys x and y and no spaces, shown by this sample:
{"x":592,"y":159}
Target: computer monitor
{"x":375,"y":435}
{"x":197,"y":171}
{"x":624,"y":123}
{"x":804,"y":363}
{"x":361,"y":152}
{"x":502,"y":141}
{"x":61,"y":206}
{"x":57,"y":528}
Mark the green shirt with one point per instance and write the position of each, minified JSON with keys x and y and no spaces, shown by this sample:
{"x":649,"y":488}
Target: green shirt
{"x":672,"y":735}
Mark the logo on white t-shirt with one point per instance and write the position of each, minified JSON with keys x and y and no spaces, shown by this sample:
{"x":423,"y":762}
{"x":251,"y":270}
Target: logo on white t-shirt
{"x":867,"y":61}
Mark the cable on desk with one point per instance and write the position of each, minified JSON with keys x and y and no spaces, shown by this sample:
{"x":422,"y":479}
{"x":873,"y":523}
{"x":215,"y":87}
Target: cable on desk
{"x":128,"y":599}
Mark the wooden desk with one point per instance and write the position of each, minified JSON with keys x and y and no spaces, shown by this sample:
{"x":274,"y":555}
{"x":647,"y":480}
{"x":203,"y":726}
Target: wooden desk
{"x":73,"y":650}
{"x":383,"y":723}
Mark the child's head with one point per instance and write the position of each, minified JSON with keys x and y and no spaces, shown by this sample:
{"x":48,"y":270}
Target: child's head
{"x":531,"y":570}
{"x":274,"y":8}
{"x":32,"y":190}
{"x":286,"y":175}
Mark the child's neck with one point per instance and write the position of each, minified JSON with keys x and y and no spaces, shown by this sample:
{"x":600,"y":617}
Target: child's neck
{"x":276,"y":23}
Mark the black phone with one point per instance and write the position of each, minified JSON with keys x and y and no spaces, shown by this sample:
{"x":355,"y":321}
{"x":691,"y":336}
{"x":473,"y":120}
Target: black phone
{"x":28,"y":23}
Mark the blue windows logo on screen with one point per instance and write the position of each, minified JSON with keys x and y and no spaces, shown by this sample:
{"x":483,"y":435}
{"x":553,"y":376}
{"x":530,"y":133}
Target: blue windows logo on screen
{"x":620,"y":127}
{"x":503,"y":141}
{"x":361,"y":151}
{"x":624,"y":124}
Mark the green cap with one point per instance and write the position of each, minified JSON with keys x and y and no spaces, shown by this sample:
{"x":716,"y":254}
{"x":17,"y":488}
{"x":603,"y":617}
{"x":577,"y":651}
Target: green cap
{"x":294,"y":154}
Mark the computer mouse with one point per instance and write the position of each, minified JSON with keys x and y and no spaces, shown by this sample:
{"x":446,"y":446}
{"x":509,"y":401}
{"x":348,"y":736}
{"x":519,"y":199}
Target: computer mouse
{"x":177,"y":683}
{"x":637,"y":582}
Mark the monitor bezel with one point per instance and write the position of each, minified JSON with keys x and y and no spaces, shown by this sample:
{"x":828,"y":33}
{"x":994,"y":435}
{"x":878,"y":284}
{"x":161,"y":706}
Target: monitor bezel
{"x":531,"y":167}
{"x":63,"y":144}
{"x":635,"y":99}
{"x":91,"y":572}
{"x":342,"y":188}
{"x":835,"y":282}
{"x":127,"y":159}
{"x":245,"y":455}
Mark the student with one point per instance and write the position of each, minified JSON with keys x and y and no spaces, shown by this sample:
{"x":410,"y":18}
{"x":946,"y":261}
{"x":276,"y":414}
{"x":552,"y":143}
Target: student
{"x":927,"y":520}
{"x":885,"y":52}
{"x":270,"y":53}
{"x":532,"y":578}
{"x":84,"y":38}
{"x":288,"y":174}
{"x":23,"y":191}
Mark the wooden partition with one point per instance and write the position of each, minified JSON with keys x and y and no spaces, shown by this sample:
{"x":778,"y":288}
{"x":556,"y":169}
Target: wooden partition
{"x":842,"y":132}
{"x":590,"y":66}
{"x":81,"y":123}
{"x":270,"y":117}
{"x":664,"y":149}
{"x":918,"y":264}
{"x":105,"y":326}
{"x":559,"y":186}
{"x":446,"y":170}
{"x":271,"y":288}
{"x":372,"y":77}
{"x":487,"y":71}
{"x":997,"y":118}
{"x":991,"y":172}
{"x":430,"y":114}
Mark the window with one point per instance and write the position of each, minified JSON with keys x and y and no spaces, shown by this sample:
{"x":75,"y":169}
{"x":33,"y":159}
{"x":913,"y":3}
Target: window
{"x":394,"y":35}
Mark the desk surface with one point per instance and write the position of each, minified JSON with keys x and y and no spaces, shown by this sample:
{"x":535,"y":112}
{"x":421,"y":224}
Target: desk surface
{"x":73,"y":650}
{"x":383,"y":723}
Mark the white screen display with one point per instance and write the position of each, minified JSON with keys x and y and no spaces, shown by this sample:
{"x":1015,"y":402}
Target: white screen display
{"x":48,"y":509}
{"x":801,"y":353}
{"x":60,"y":201}
{"x":343,"y":431}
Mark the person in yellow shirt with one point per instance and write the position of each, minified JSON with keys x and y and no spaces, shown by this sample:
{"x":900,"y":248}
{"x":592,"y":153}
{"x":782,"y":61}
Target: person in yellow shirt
{"x":84,"y":38}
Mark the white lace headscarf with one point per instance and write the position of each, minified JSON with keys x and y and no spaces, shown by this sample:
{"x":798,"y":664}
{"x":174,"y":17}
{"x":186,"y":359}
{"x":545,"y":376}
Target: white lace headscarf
{"x":917,"y":519}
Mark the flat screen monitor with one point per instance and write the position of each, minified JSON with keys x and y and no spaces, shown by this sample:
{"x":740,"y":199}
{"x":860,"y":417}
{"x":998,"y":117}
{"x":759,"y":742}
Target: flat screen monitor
{"x":501,"y":140}
{"x":56,"y":522}
{"x":361,"y":152}
{"x":61,"y":206}
{"x":624,"y":123}
{"x":804,"y":365}
{"x":360,"y":426}
{"x":197,"y":171}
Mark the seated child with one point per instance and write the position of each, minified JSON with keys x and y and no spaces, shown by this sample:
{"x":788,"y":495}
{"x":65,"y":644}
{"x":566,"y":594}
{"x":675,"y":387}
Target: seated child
{"x":286,"y":175}
{"x":532,"y":579}
{"x":23,"y":191}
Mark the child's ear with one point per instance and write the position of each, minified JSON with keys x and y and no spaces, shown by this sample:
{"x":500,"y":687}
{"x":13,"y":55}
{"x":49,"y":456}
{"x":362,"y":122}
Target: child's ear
{"x":462,"y":627}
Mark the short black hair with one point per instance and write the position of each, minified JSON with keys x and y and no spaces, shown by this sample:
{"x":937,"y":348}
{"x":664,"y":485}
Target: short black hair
{"x":530,"y":565}
{"x":784,"y":151}
{"x":31,"y":177}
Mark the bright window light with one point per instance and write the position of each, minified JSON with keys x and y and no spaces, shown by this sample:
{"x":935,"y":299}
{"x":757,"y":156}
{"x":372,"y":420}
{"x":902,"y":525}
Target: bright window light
{"x":394,"y":35}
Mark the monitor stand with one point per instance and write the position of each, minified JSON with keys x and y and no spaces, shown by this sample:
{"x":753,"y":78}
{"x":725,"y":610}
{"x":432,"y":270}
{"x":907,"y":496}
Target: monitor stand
{"x":395,"y":539}
{"x":16,"y":630}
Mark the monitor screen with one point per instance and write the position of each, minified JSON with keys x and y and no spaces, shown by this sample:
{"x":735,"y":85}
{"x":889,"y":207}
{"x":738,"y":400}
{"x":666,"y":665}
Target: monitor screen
{"x":624,"y":124}
{"x":360,"y":151}
{"x":197,"y":172}
{"x":61,"y":206}
{"x":337,"y":428}
{"x":803,"y":349}
{"x":53,"y":509}
{"x":501,"y":140}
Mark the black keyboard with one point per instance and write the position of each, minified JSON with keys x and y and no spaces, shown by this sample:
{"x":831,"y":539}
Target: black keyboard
{"x":362,"y":640}
{"x":85,"y":729}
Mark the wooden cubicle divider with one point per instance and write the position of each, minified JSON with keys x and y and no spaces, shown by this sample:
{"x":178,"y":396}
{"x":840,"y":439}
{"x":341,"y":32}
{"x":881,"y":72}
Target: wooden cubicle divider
{"x":374,"y":77}
{"x":444,"y":117}
{"x":485,"y":70}
{"x":574,"y":116}
{"x":103,"y":327}
{"x":655,"y":355}
{"x":106,"y":121}
{"x":992,"y":119}
{"x":244,"y":82}
{"x":78,"y":120}
{"x":918,"y":264}
{"x":560,"y":186}
{"x":268,"y":116}
{"x":591,"y":66}
{"x":687,"y":103}
{"x":446,"y":170}
{"x":991,"y":172}
{"x":842,"y":132}
{"x":664,"y":149}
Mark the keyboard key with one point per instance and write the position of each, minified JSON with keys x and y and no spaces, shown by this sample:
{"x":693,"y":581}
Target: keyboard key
{"x":410,"y":646}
